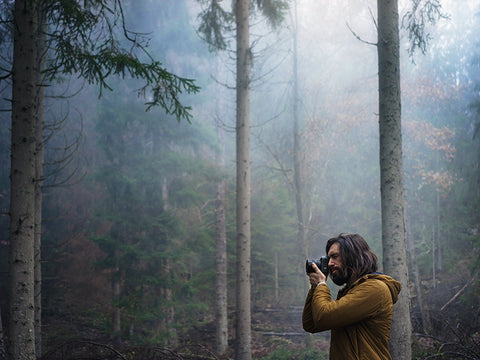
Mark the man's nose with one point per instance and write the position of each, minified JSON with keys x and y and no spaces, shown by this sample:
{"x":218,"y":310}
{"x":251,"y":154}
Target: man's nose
{"x":330,"y":262}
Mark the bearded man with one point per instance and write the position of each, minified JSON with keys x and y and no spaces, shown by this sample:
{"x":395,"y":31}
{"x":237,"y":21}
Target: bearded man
{"x":360,"y":317}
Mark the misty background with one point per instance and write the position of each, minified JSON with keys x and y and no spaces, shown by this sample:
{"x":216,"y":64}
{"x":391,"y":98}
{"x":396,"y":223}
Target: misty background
{"x":134,"y":190}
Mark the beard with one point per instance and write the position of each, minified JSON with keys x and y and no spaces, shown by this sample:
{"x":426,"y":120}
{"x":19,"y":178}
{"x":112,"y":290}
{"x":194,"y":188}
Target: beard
{"x":340,"y":277}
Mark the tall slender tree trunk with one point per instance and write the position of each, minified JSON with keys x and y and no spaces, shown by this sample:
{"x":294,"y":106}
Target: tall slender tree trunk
{"x":39,"y":160}
{"x":302,"y":245}
{"x":221,"y":305}
{"x":434,"y":256}
{"x":296,"y":143}
{"x":391,"y":177}
{"x":22,"y":182}
{"x":167,"y":324}
{"x":116,"y":293}
{"x":243,"y":290}
{"x":169,"y":311}
{"x":438,"y":233}
{"x":297,"y":153}
{"x":221,"y":272}
{"x":424,"y":318}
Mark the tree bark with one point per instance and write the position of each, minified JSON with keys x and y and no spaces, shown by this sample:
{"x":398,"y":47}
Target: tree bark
{"x":391,"y":177}
{"x":39,"y":160}
{"x":3,"y":352}
{"x":243,"y":287}
{"x":221,"y":272}
{"x":22,"y":182}
{"x":221,"y":305}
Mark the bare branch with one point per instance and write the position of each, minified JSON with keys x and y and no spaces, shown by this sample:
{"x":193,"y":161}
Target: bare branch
{"x":457,"y":294}
{"x":358,"y":37}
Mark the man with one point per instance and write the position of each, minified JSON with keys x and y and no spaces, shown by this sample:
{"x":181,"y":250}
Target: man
{"x":361,"y":315}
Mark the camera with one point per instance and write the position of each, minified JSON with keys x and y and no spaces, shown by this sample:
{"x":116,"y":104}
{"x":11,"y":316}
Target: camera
{"x":321,"y":263}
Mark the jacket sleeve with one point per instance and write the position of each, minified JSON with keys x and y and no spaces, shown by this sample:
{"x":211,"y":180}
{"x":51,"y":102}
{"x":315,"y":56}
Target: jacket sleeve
{"x":307,"y":315}
{"x":361,"y":302}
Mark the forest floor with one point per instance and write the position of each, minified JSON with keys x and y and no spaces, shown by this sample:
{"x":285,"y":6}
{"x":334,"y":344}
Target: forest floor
{"x":273,"y":329}
{"x":452,"y":306}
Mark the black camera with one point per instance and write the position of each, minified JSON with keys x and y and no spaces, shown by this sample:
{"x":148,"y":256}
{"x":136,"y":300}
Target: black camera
{"x":321,"y":263}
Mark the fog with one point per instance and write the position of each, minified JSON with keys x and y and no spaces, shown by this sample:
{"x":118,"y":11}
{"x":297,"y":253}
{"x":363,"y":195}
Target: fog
{"x":117,"y":152}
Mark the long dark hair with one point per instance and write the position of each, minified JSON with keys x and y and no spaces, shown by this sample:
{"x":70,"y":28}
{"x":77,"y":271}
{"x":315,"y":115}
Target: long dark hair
{"x":357,"y":257}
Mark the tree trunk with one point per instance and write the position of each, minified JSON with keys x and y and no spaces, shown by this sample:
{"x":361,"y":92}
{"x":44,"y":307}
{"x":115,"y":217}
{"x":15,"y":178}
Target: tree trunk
{"x":221,"y":272}
{"x":424,"y":315}
{"x":302,"y":245}
{"x":297,"y":160}
{"x":438,"y":232}
{"x":3,"y":352}
{"x":221,"y":305}
{"x":277,"y":298}
{"x":434,"y":257}
{"x":393,"y":225}
{"x":116,"y":293}
{"x":39,"y":157}
{"x":169,"y":310}
{"x":22,"y":183}
{"x":243,"y":301}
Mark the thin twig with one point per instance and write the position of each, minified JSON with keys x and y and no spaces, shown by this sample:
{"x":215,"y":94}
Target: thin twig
{"x":359,"y":38}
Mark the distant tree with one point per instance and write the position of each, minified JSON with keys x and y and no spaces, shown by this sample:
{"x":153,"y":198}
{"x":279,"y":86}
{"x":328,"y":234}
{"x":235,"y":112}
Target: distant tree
{"x":221,"y":303}
{"x":298,"y":184}
{"x":215,"y":21}
{"x":133,"y":210}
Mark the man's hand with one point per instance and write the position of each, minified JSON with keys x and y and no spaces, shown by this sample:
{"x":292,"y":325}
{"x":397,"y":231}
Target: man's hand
{"x":317,"y":276}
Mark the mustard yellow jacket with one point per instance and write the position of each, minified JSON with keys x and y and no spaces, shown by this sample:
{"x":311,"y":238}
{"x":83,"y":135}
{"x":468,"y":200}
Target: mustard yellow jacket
{"x":359,"y":318}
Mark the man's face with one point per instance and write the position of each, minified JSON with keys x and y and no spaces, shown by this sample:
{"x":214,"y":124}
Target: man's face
{"x":335,"y":266}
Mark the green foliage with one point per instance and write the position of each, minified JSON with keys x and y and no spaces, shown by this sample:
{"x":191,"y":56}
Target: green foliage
{"x":82,"y":41}
{"x":216,"y":23}
{"x":416,"y":20}
{"x":273,"y":10}
{"x":149,"y":210}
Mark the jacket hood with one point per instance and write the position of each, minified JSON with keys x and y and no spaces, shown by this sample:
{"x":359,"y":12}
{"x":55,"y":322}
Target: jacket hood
{"x":393,"y":285}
